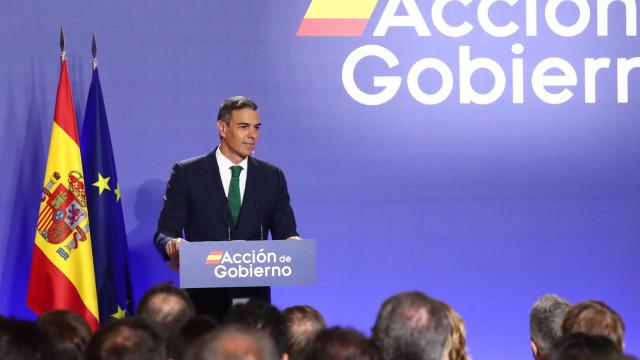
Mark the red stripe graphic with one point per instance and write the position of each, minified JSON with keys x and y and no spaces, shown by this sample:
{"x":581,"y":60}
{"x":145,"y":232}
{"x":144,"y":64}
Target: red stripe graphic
{"x":65,"y":115}
{"x":45,"y":277}
{"x":332,"y":27}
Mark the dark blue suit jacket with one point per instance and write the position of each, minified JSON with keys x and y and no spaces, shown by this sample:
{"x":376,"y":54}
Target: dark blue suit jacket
{"x":196,"y":204}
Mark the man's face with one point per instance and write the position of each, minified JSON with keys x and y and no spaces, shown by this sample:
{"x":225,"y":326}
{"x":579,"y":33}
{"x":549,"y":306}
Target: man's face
{"x":238,"y":139}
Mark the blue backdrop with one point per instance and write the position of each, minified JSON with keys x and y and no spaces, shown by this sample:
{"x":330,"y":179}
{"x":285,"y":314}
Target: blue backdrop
{"x":484,"y":206}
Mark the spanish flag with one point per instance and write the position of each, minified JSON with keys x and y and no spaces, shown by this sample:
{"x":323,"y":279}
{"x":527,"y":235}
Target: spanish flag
{"x":62,"y":275}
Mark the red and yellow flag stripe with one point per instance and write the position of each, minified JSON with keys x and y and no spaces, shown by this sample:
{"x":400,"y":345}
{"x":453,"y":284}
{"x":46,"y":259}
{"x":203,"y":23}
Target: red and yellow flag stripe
{"x":336,"y":17}
{"x":214,"y":257}
{"x":62,"y":274}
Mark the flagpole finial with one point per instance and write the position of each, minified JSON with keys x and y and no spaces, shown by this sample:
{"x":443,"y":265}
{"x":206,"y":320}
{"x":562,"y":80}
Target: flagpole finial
{"x":63,"y":55}
{"x":94,"y":52}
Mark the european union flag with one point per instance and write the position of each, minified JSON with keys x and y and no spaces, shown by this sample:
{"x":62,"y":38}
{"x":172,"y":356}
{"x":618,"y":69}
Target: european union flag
{"x":109,"y":238}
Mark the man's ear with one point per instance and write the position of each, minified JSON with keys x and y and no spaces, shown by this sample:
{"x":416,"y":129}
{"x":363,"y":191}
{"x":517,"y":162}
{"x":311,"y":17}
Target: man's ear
{"x":534,"y":349}
{"x":221,"y":128}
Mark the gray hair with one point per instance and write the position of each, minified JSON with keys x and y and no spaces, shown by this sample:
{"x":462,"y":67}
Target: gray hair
{"x":545,"y":321}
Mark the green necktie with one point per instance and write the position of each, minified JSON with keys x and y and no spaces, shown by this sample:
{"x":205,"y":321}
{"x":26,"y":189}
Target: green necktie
{"x":234,"y":193}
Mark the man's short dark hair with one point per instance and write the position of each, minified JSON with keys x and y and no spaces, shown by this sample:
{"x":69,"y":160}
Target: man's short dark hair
{"x":165,"y":308}
{"x":126,"y":339}
{"x":188,"y":334}
{"x":21,"y":339}
{"x":234,"y":103}
{"x":580,"y":346}
{"x":303,"y":325}
{"x":595,"y":318}
{"x":234,"y":342}
{"x":411,"y":326}
{"x":343,"y":344}
{"x":260,"y":315}
{"x":68,"y":331}
{"x":545,"y":321}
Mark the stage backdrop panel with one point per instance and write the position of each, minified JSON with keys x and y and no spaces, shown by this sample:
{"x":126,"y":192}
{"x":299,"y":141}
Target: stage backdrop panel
{"x":483,"y":154}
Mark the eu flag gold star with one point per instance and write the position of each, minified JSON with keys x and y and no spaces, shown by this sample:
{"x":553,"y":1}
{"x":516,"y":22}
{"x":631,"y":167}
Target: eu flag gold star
{"x":119,"y":314}
{"x":102,"y":183}
{"x":117,"y":191}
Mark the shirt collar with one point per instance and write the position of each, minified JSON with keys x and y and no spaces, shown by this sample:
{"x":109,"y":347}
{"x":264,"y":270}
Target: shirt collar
{"x":224,"y":163}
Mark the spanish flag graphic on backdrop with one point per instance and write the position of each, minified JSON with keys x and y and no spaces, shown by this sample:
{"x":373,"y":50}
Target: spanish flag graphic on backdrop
{"x":62,"y":275}
{"x":336,"y":17}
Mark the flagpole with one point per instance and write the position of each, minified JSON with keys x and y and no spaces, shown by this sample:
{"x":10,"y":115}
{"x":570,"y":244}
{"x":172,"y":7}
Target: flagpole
{"x":63,"y":55}
{"x":94,"y":52}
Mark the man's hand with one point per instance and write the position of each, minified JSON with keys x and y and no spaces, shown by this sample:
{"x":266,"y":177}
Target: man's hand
{"x":173,"y":252}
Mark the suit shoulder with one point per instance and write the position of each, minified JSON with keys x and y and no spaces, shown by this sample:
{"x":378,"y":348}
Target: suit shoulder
{"x":265,"y":166}
{"x":194,"y":162}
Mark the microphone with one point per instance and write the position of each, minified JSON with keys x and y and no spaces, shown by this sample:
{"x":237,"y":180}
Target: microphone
{"x":259,"y":218}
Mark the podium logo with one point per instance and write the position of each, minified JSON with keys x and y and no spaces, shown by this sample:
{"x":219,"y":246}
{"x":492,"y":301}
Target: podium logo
{"x":250,"y":264}
{"x":336,"y":17}
{"x":214,"y":257}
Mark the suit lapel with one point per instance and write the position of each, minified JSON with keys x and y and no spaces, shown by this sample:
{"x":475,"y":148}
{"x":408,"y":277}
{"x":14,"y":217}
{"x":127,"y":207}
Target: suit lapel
{"x":249,"y":198}
{"x":213,"y":184}
{"x":248,"y":207}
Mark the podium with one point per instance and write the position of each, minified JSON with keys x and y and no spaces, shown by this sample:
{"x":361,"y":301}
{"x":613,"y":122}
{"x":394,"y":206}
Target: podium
{"x":240,"y":263}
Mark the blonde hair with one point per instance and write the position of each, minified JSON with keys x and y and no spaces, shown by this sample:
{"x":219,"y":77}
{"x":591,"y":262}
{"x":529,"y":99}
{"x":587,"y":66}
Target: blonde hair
{"x":456,"y":348}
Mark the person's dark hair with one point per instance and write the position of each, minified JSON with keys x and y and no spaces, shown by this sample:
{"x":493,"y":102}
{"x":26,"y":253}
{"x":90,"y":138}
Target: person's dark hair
{"x":580,"y":346}
{"x":339,"y":343}
{"x":234,"y":342}
{"x":68,"y":331}
{"x":594,"y":318}
{"x":234,"y":103}
{"x":545,"y":321}
{"x":165,"y":308}
{"x":190,"y":332}
{"x":303,"y":325}
{"x":126,"y":339}
{"x":411,"y":326}
{"x":21,"y":339}
{"x":258,"y":314}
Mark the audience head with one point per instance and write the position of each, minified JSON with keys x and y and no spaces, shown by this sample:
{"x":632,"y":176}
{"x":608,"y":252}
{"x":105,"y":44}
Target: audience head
{"x":260,"y":315}
{"x":126,"y":339}
{"x":234,"y":342}
{"x":20,"y":339}
{"x":545,"y":322}
{"x":456,"y":345}
{"x":580,"y":346}
{"x":190,"y":332}
{"x":342,"y":344}
{"x":303,"y":325}
{"x":165,"y":308}
{"x":594,"y":318}
{"x":411,"y":326}
{"x":68,"y":331}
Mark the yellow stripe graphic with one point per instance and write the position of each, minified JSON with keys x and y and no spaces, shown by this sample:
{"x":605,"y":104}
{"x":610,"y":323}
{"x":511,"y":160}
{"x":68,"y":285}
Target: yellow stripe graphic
{"x":340,"y":9}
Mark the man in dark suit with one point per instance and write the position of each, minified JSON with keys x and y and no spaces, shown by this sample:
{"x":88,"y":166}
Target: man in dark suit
{"x":225,"y":195}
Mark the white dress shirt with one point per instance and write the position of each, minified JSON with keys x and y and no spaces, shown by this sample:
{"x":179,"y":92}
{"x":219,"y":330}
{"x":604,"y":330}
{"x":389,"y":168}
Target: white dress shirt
{"x":224,"y":165}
